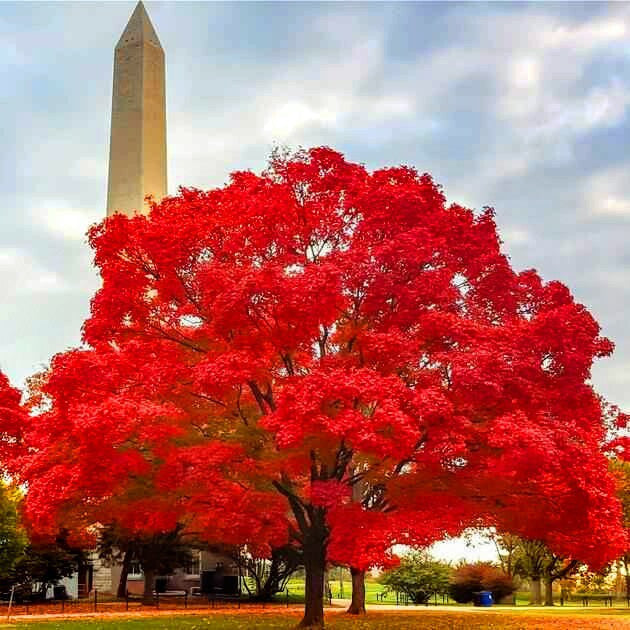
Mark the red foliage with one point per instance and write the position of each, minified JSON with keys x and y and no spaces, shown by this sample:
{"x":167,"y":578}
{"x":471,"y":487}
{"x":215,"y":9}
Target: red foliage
{"x":12,"y":419}
{"x":257,"y":349}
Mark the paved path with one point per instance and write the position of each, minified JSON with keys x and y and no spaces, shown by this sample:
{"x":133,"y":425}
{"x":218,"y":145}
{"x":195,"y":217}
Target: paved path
{"x":344,"y":603}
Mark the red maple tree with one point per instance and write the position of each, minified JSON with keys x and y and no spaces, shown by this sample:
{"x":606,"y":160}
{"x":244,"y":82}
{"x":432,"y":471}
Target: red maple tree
{"x":328,"y":356}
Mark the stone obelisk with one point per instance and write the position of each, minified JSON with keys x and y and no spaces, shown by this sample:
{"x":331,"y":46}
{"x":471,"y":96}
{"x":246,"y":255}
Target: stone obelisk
{"x":137,"y":150}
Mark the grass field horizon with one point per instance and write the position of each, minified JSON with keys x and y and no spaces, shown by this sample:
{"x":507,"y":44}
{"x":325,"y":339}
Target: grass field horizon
{"x":426,"y":619}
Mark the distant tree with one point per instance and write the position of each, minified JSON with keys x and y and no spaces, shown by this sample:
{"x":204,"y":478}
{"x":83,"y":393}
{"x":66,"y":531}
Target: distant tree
{"x":419,"y":577}
{"x":621,"y":469}
{"x":587,"y":581}
{"x":269,"y":575}
{"x":536,"y":562}
{"x":507,"y":546}
{"x":27,"y":565}
{"x":13,"y":538}
{"x":468,"y":579}
{"x":44,"y":564}
{"x":157,"y":554}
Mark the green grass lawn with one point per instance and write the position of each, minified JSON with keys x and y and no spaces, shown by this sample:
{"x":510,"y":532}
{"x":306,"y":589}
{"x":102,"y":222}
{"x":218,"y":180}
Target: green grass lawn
{"x":372,"y":587}
{"x":423,"y":620}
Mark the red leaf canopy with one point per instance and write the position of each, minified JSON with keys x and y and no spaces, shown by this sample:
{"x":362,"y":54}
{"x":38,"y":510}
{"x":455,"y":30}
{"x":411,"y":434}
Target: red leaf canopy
{"x":320,"y":339}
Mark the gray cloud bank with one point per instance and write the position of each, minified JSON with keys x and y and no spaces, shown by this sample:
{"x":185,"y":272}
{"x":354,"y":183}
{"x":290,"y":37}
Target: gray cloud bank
{"x":521,"y":107}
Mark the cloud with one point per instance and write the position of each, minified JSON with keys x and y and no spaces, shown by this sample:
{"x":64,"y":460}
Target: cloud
{"x":62,"y":220}
{"x":585,"y":37}
{"x":536,"y":80}
{"x":607,"y":193}
{"x":516,"y":237}
{"x":318,"y":92}
{"x":614,"y":206}
{"x":525,"y":73}
{"x":90,"y":167}
{"x":290,"y":117}
{"x":22,"y":274}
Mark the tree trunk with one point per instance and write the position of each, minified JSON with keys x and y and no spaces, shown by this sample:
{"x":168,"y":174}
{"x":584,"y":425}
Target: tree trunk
{"x":618,"y":580}
{"x":548,"y":592}
{"x":124,"y":572}
{"x":357,"y":606}
{"x":315,"y":567}
{"x":626,"y":566}
{"x":535,"y":591}
{"x":149,"y":583}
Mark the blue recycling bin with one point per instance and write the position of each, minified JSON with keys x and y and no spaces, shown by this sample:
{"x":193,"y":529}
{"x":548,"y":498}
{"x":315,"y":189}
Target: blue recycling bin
{"x":483,"y":598}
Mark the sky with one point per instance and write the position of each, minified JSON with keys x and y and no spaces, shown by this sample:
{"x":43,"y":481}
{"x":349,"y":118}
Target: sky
{"x":522,"y":107}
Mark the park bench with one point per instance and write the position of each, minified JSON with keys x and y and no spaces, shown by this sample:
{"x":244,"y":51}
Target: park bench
{"x":587,"y":600}
{"x":403,"y":599}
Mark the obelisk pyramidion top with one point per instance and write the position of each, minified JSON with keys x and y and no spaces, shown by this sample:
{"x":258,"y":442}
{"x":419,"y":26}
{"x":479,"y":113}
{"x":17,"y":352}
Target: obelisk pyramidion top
{"x":139,"y":29}
{"x":137,"y":153}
